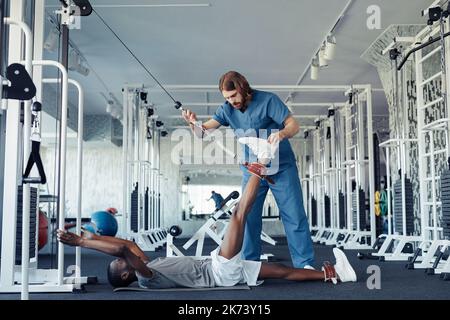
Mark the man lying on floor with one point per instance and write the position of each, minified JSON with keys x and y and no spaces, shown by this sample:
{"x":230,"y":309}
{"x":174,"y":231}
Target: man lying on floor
{"x":224,"y":268}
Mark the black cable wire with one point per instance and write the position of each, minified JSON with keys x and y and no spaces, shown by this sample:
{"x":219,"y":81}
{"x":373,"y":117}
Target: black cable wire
{"x":55,"y":191}
{"x":134,"y":56}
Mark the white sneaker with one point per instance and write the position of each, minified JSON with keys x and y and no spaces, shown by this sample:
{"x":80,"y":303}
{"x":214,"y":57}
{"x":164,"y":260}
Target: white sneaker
{"x":343,"y":268}
{"x":262,"y":149}
{"x":309,"y":267}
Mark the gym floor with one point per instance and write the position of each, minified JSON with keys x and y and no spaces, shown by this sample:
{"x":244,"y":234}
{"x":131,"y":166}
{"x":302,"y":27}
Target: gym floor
{"x":397,"y":283}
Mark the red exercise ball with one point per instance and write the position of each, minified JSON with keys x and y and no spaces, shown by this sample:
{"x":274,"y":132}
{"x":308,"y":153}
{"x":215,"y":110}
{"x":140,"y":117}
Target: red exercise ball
{"x":43,"y":230}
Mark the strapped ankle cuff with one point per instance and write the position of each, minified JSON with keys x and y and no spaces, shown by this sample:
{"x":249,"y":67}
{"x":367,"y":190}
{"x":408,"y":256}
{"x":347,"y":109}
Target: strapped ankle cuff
{"x":258,"y":170}
{"x":329,"y":272}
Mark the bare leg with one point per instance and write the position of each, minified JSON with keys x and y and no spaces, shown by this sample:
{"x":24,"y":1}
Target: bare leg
{"x":232,"y":242}
{"x":279,"y":271}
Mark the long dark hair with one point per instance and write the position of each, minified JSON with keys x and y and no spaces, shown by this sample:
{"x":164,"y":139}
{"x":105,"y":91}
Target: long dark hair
{"x":233,"y":80}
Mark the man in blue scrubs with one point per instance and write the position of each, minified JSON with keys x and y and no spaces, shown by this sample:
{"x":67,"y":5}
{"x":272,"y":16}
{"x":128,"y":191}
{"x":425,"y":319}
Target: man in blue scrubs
{"x":262,"y":114}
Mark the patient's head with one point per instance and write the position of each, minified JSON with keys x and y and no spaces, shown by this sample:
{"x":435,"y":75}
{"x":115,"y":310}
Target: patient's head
{"x":120,"y":274}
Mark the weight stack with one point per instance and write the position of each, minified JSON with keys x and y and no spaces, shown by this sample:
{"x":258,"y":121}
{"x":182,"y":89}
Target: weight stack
{"x":146,"y":199}
{"x":362,"y":210}
{"x":159,"y":211}
{"x":134,"y":210}
{"x":445,"y":197}
{"x":152,"y":207}
{"x":342,"y":215}
{"x":398,"y":214}
{"x":327,"y":212}
{"x":313,"y":212}
{"x":378,"y":225}
{"x":33,"y":224}
{"x":354,"y":210}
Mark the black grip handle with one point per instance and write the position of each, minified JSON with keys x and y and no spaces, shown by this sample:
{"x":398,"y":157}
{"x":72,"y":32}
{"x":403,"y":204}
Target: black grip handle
{"x":232,"y":195}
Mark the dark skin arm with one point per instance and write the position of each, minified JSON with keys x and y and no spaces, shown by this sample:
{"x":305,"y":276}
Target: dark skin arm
{"x":136,"y":263}
{"x":131,"y":245}
{"x":71,"y":239}
{"x":121,"y":249}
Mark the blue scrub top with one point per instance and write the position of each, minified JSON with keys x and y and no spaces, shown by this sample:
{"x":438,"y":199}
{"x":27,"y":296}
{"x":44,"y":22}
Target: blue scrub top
{"x":266,"y":112}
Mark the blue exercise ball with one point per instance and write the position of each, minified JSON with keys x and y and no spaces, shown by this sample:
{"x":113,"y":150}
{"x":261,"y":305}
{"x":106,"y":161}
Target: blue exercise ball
{"x":105,"y":223}
{"x":91,"y":227}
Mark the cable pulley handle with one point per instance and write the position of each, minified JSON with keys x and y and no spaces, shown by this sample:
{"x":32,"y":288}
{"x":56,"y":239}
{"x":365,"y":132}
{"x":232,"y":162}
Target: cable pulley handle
{"x":232,"y":195}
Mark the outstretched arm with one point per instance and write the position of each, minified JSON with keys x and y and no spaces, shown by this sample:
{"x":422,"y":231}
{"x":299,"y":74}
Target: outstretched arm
{"x":130,"y":244}
{"x":121,"y":249}
{"x":105,"y":246}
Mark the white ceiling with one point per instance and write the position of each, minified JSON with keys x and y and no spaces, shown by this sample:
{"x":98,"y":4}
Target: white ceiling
{"x":269,"y":41}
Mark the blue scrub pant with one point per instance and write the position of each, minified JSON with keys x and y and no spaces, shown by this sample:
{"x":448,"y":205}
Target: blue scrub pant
{"x":287,"y":192}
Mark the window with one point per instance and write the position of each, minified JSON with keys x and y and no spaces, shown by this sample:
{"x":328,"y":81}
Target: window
{"x":196,"y":201}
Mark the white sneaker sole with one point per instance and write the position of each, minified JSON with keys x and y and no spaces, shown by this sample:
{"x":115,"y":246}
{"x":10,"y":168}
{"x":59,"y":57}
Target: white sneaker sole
{"x":350,"y":272}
